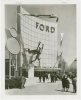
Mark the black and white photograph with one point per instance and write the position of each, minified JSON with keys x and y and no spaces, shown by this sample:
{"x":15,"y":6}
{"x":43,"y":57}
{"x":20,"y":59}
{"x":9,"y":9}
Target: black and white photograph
{"x":40,"y":49}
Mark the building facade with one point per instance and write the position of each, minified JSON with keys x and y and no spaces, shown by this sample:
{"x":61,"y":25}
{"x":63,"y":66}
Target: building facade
{"x":30,"y":31}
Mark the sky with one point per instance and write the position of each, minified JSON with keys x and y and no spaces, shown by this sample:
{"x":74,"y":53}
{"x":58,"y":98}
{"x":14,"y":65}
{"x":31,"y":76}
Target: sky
{"x":66,"y":24}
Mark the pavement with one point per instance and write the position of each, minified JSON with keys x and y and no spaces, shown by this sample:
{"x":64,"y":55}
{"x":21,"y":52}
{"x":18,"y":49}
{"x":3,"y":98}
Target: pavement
{"x":46,"y":88}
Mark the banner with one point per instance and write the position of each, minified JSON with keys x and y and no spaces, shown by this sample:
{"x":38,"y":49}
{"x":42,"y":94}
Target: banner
{"x":33,"y":30}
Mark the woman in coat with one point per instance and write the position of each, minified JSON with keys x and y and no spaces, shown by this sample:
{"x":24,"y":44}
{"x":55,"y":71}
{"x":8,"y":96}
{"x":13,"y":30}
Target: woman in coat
{"x":64,"y":82}
{"x":67,"y":84}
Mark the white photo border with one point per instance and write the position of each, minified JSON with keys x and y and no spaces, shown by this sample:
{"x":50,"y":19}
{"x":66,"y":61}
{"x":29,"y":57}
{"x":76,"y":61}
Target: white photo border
{"x":2,"y":51}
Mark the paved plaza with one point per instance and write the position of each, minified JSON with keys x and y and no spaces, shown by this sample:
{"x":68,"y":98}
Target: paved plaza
{"x":46,"y":88}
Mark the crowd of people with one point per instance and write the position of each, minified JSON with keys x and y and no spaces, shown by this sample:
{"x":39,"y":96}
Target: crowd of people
{"x":43,"y":76}
{"x":67,"y":80}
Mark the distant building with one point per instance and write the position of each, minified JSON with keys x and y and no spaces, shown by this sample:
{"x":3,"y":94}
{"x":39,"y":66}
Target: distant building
{"x":73,"y":67}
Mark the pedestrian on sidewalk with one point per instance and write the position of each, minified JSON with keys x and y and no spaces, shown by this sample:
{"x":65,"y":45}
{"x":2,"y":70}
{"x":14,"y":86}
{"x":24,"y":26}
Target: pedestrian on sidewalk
{"x":55,"y":77}
{"x":63,"y":82}
{"x":23,"y":80}
{"x":43,"y":76}
{"x":67,"y":83}
{"x":74,"y":82}
{"x":52,"y":77}
{"x":40,"y":76}
{"x":49,"y":76}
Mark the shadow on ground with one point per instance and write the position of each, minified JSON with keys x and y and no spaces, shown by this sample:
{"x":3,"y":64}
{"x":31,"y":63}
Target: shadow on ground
{"x":64,"y":91}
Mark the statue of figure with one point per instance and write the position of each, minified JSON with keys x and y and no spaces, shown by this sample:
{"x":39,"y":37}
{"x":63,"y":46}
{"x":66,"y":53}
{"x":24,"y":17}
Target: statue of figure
{"x":31,"y":53}
{"x":27,"y":61}
{"x":36,"y":52}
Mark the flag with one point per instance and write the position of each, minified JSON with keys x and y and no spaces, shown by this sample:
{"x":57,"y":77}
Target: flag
{"x":62,"y":34}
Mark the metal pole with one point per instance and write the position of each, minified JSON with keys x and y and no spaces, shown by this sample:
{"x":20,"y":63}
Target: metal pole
{"x":61,"y":51}
{"x":9,"y":65}
{"x":16,"y":70}
{"x":19,"y":35}
{"x":16,"y":62}
{"x":21,"y":62}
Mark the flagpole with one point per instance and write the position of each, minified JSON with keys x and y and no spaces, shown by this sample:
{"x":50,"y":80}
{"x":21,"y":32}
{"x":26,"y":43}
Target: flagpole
{"x":61,"y":51}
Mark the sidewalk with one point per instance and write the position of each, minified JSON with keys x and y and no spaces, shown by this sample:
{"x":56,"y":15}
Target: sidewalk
{"x":41,"y":89}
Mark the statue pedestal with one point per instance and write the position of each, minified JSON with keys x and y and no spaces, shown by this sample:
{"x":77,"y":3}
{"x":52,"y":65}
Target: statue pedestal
{"x":31,"y":80}
{"x":31,"y":71}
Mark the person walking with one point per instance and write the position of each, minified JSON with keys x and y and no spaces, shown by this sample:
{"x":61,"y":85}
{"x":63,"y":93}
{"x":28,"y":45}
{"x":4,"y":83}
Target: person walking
{"x":40,"y":76}
{"x":55,"y":77}
{"x":74,"y":82}
{"x":23,"y":80}
{"x":52,"y":78}
{"x":64,"y":82}
{"x":43,"y":76}
{"x":49,"y":76}
{"x":67,"y":83}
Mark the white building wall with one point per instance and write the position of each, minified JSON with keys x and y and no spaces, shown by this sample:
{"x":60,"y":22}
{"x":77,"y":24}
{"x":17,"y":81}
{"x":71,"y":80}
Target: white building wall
{"x":32,"y":35}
